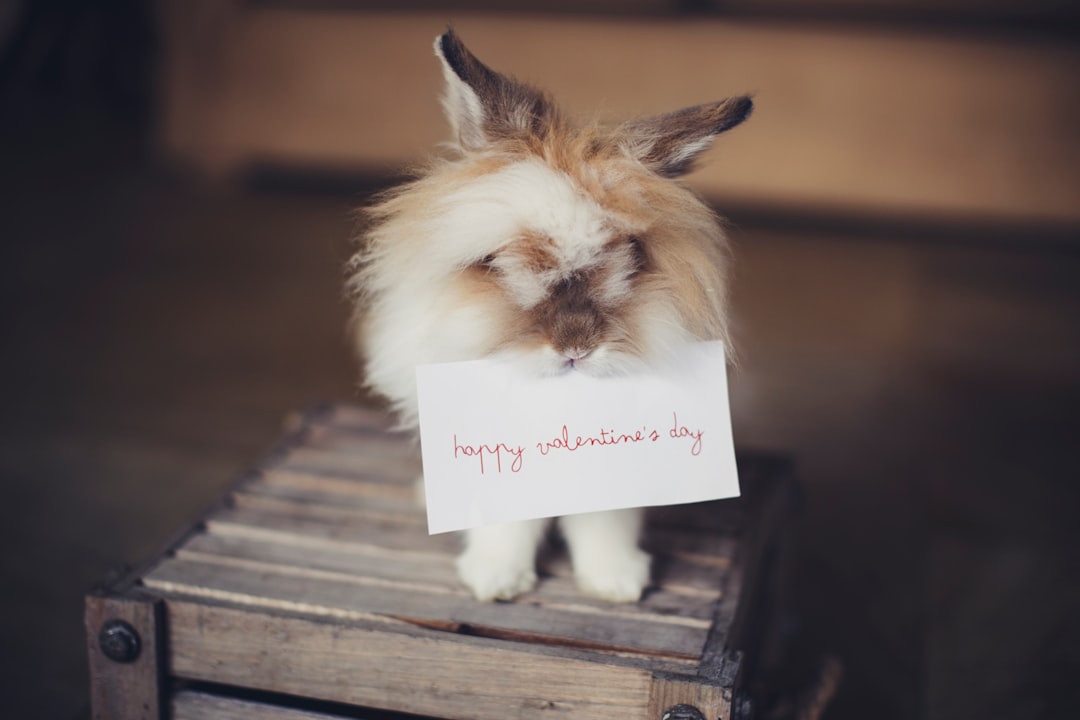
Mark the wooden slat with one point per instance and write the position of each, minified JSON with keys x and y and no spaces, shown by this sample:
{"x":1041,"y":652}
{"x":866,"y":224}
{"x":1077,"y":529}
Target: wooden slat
{"x":345,"y":438}
{"x":310,"y":524}
{"x":332,"y":513}
{"x":434,"y":568}
{"x":340,"y":493}
{"x":192,"y":705}
{"x":372,"y":465}
{"x":891,"y":120}
{"x":337,"y":594}
{"x":346,"y":502}
{"x":682,"y":599}
{"x":325,"y":552}
{"x":341,"y":440}
{"x":307,"y":518}
{"x":685,"y":564}
{"x":303,"y":479}
{"x":300,"y":491}
{"x":409,"y":670}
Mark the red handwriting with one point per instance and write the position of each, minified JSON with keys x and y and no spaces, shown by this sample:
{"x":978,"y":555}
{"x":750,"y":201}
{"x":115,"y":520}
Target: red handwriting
{"x":605,"y":437}
{"x":497,"y":450}
{"x":679,"y":431}
{"x":503,"y":453}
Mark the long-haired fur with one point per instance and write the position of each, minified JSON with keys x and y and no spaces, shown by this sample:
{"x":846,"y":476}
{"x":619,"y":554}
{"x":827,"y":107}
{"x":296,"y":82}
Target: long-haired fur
{"x":567,"y":247}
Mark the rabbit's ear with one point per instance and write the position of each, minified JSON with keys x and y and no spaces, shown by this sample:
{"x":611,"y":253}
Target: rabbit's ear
{"x":669,"y":144}
{"x":483,"y":105}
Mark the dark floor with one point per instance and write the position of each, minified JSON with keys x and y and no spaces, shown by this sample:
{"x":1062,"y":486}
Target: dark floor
{"x":156,"y":332}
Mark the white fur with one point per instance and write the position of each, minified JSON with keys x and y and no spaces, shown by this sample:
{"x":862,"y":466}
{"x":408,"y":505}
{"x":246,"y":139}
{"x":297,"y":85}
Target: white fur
{"x":420,"y":293}
{"x":474,"y":222}
{"x":499,"y":560}
{"x":690,"y":150}
{"x":462,"y":106}
{"x":604,"y":548}
{"x":492,"y":211}
{"x":527,"y":196}
{"x":420,"y":296}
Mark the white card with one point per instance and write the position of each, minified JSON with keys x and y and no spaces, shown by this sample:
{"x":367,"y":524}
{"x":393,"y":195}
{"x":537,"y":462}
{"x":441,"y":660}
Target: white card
{"x":500,"y":446}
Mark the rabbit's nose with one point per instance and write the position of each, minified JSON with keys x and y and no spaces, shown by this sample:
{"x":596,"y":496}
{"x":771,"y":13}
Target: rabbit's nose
{"x":576,"y":355}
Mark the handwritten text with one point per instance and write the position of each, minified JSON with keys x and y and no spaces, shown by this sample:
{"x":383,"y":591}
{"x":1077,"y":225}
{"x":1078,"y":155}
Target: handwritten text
{"x":511,"y":457}
{"x":496,"y":450}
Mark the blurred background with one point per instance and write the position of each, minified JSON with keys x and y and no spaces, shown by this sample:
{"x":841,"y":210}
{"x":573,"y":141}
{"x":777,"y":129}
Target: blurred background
{"x":178,"y":184}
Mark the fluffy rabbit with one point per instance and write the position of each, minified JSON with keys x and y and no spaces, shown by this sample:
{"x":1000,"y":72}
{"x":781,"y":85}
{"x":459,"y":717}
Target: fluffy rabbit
{"x":565,"y":247}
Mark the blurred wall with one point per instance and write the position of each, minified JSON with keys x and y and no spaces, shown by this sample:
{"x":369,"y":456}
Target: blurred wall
{"x":934,"y":119}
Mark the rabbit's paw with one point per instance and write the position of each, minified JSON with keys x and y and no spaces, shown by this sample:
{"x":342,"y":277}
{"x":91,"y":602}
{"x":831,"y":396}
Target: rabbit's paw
{"x":618,"y":577}
{"x":496,"y":575}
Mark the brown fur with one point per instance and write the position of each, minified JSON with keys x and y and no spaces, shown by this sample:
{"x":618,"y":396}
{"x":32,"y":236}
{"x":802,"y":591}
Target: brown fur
{"x":567,"y":246}
{"x":667,"y":242}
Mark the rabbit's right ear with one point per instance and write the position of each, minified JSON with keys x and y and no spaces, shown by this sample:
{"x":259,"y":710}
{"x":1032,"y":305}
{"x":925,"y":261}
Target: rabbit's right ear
{"x":483,"y":105}
{"x":669,"y":144}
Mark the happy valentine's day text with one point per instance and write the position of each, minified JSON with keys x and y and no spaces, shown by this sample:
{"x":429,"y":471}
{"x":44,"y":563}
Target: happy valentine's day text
{"x":513,"y":456}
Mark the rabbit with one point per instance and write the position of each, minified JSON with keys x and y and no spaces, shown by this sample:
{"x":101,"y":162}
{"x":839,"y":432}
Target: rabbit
{"x":563,"y":247}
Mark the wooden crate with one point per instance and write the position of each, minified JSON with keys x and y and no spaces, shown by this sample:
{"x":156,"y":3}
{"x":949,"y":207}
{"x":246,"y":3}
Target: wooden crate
{"x":313,"y":591}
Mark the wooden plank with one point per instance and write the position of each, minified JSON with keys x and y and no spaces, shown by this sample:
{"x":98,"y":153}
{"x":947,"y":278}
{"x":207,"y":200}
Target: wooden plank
{"x":408,"y":670}
{"x":690,"y":574}
{"x":556,"y":587}
{"x":305,"y":520}
{"x":849,"y":118}
{"x":339,"y":500}
{"x":193,"y":705}
{"x":369,"y":441}
{"x":302,"y":491}
{"x":358,"y":481}
{"x":302,"y":478}
{"x":336,"y":501}
{"x":335,"y":594}
{"x":671,"y":691}
{"x":346,"y":447}
{"x":130,"y":687}
{"x":433,"y":568}
{"x":340,"y":513}
{"x":375,"y":464}
{"x":307,"y":525}
{"x":345,"y":438}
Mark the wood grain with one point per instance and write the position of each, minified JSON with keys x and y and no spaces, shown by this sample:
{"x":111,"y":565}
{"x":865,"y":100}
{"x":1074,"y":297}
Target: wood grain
{"x":872,"y":120}
{"x":125,"y":690}
{"x":667,"y":691}
{"x":192,"y":705}
{"x":339,"y":594}
{"x":317,"y":578}
{"x":406,"y":669}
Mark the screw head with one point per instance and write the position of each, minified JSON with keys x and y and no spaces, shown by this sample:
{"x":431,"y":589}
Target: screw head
{"x":683,"y":712}
{"x":119,"y":641}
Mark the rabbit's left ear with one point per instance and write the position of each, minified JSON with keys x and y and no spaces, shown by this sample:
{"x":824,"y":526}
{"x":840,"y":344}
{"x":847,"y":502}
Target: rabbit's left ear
{"x":669,"y":144}
{"x":483,"y":105}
